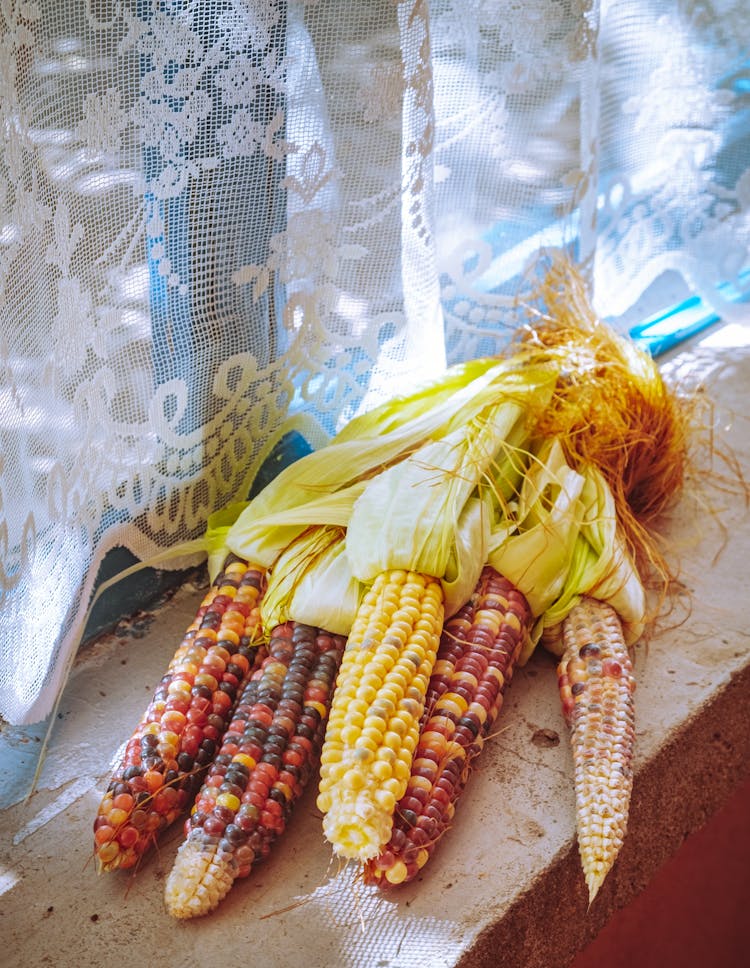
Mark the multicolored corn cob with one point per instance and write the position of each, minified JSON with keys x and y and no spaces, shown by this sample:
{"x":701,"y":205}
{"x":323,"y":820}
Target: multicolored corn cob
{"x":478,"y":651}
{"x":177,"y":737}
{"x":269,"y":752}
{"x":596,"y":683}
{"x":380,"y":694}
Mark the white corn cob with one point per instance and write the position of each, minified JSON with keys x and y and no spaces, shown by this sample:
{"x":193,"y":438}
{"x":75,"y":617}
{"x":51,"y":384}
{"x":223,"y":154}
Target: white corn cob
{"x":596,"y":682}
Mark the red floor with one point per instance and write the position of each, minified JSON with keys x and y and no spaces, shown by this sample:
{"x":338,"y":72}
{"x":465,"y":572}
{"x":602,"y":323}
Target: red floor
{"x":695,"y":913}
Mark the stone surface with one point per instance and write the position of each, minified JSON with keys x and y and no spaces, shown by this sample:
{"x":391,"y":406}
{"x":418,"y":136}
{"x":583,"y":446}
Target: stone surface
{"x":505,"y":887}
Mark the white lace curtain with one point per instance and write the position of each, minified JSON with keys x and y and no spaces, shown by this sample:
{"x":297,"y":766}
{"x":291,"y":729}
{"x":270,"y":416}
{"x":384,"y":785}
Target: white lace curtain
{"x":224,"y":219}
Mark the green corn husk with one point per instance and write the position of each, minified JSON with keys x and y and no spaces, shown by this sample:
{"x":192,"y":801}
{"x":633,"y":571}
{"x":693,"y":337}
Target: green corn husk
{"x":413,"y":497}
{"x":364,"y":447}
{"x":314,"y":562}
{"x":563,"y":543}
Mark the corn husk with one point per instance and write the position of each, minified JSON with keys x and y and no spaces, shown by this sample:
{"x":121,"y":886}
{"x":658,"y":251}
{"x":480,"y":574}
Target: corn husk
{"x":411,"y":498}
{"x":315,"y":561}
{"x":363,"y":448}
{"x":425,"y":514}
{"x":561,"y":541}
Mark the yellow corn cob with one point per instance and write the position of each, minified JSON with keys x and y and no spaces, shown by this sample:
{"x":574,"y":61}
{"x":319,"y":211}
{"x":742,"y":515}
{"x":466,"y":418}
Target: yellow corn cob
{"x":596,"y":682}
{"x":380,"y":693}
{"x":478,"y":651}
{"x":179,"y":733}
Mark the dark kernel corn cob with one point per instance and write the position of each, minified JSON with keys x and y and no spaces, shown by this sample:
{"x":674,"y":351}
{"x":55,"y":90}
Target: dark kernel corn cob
{"x":596,"y":682}
{"x":177,"y":737}
{"x":270,"y":750}
{"x":478,"y":650}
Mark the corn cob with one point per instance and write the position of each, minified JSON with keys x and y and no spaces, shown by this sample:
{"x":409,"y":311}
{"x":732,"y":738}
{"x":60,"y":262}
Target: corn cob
{"x":596,"y":682}
{"x":178,"y":734}
{"x":478,"y":651}
{"x":377,"y":706}
{"x":269,"y":752}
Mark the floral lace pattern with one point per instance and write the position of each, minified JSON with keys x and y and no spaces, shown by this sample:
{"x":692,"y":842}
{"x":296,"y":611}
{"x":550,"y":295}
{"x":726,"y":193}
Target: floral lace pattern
{"x":224,"y":219}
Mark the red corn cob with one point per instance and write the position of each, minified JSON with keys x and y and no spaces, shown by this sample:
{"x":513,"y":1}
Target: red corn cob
{"x":596,"y":682}
{"x":269,"y":752}
{"x":478,"y":651}
{"x":178,"y":735}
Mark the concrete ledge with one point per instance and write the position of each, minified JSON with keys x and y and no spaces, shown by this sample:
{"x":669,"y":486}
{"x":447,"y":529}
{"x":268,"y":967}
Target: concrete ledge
{"x":676,"y":792}
{"x":505,"y":887}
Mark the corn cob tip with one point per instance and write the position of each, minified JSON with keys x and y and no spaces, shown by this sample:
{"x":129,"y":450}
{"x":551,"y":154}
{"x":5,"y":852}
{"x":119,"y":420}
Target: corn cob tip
{"x":594,"y":881}
{"x":199,"y":880}
{"x":356,"y":829}
{"x":599,"y":844}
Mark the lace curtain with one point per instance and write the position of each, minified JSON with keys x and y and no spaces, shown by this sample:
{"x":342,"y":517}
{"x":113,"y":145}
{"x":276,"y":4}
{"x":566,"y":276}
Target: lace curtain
{"x":222,"y":220}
